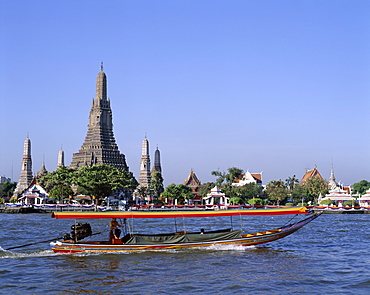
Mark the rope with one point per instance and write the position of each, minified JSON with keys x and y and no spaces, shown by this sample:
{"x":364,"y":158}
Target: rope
{"x":290,"y":220}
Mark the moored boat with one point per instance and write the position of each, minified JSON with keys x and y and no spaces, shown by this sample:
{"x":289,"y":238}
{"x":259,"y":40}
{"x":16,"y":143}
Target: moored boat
{"x":176,"y":240}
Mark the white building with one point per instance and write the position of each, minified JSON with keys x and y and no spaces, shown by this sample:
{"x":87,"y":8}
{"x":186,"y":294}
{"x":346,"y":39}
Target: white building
{"x":338,"y":195}
{"x":216,"y":194}
{"x":248,"y":177}
{"x":33,"y":195}
{"x":364,"y":201}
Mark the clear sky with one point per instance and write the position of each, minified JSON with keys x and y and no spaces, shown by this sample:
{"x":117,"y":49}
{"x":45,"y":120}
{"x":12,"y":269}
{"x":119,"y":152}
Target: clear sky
{"x":272,"y":86}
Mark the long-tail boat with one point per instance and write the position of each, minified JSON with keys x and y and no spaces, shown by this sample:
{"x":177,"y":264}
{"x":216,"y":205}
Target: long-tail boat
{"x":71,"y":243}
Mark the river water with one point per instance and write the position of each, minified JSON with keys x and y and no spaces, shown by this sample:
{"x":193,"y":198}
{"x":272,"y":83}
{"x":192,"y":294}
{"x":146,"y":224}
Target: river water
{"x":328,"y":256}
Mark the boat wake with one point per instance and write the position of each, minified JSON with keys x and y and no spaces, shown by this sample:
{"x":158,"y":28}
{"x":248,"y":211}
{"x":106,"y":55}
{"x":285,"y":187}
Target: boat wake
{"x":5,"y":254}
{"x":228,"y":247}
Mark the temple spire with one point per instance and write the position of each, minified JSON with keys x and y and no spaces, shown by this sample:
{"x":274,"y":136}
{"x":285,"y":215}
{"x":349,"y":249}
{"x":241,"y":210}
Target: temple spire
{"x":101,"y":85}
{"x":100,"y":146}
{"x":145,"y":177}
{"x":61,"y":157}
{"x":26,"y":175}
{"x":157,"y":161}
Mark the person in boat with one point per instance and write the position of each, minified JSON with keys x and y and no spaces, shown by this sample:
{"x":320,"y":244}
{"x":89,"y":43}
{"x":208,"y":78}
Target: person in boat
{"x":115,"y":232}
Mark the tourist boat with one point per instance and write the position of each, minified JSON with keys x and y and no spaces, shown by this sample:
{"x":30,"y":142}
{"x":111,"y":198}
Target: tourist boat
{"x":177,"y":240}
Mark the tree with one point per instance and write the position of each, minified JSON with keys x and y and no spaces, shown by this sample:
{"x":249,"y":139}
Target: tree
{"x":60,"y":191}
{"x":291,"y":182}
{"x":156,"y":184}
{"x":300,"y":195}
{"x":233,"y":173}
{"x":101,"y":180}
{"x":316,"y":186}
{"x":7,"y":188}
{"x":277,"y":191}
{"x":205,"y":189}
{"x":221,"y":176}
{"x":235,"y":201}
{"x":143,"y":191}
{"x":58,"y":183}
{"x":250,"y":191}
{"x":180,"y":192}
{"x":361,"y":187}
{"x":227,"y":178}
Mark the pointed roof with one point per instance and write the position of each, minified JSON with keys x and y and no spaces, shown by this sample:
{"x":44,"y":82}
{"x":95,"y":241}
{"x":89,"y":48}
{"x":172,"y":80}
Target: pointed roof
{"x":248,"y":177}
{"x":42,"y":172}
{"x":34,"y":190}
{"x":101,"y":85}
{"x":192,"y":180}
{"x":311,"y":173}
{"x":332,"y":183}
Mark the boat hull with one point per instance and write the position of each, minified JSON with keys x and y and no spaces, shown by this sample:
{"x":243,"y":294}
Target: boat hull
{"x":244,"y":240}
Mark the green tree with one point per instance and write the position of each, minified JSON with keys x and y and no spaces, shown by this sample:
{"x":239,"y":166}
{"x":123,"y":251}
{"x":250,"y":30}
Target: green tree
{"x":180,"y":192}
{"x":60,"y":191}
{"x":7,"y":188}
{"x":277,"y":191}
{"x":205,"y":189}
{"x":300,"y":195}
{"x":227,"y":178}
{"x":250,"y":191}
{"x":233,"y":174}
{"x":58,"y":183}
{"x":316,"y":186}
{"x":361,"y":187}
{"x":327,"y":202}
{"x":221,"y":176}
{"x":143,"y":191}
{"x":101,"y":180}
{"x":235,"y":201}
{"x":291,"y":182}
{"x":156,"y":184}
{"x":255,"y":201}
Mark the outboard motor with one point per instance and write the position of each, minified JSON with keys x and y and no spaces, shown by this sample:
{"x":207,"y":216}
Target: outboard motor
{"x":78,"y":232}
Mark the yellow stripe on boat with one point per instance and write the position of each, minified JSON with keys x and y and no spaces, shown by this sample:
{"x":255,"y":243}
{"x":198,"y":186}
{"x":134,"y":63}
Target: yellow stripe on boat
{"x":172,"y":214}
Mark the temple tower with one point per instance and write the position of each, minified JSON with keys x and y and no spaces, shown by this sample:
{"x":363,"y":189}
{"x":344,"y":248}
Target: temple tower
{"x":42,"y":172}
{"x":100,"y":145}
{"x":26,"y":176}
{"x":157,"y":162}
{"x":145,"y":177}
{"x":332,"y":183}
{"x":61,"y":158}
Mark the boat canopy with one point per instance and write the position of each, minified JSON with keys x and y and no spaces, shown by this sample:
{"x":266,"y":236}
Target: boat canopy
{"x":171,"y":214}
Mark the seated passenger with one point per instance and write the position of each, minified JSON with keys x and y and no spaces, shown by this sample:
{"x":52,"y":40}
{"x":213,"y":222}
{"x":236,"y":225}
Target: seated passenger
{"x":115,"y":232}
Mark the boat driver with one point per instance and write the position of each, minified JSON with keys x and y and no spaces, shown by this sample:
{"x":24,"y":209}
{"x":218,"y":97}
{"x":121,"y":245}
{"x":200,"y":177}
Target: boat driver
{"x":115,"y":232}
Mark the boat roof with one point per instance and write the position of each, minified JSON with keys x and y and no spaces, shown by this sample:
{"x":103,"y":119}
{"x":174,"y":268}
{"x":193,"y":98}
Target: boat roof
{"x":171,"y":214}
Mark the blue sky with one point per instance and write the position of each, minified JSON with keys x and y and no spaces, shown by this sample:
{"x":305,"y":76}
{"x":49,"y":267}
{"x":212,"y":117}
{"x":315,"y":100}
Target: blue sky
{"x":272,"y":86}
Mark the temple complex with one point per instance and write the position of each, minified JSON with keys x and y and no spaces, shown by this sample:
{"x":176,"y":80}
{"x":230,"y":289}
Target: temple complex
{"x":100,"y":145}
{"x":26,"y":176}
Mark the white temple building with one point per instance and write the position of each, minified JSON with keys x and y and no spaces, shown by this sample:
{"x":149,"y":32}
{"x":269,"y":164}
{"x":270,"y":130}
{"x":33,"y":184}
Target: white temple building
{"x":248,"y":177}
{"x":216,"y":194}
{"x":33,"y":195}
{"x":338,"y":195}
{"x":364,"y":200}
